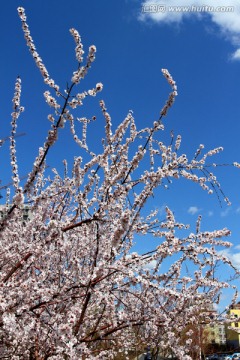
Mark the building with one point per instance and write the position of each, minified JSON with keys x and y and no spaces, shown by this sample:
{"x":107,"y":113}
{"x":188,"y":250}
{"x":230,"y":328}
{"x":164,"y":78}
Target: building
{"x":233,"y":328}
{"x":26,"y":212}
{"x":215,"y":334}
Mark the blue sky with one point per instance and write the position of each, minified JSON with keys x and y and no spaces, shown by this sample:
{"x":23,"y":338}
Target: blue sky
{"x":199,"y":48}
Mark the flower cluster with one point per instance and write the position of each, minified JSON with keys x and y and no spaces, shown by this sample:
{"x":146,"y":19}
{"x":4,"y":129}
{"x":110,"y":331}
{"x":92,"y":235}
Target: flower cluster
{"x":34,"y":53}
{"x":50,"y":100}
{"x":79,"y":47}
{"x":172,"y":95}
{"x":82,"y":71}
{"x":15,"y":115}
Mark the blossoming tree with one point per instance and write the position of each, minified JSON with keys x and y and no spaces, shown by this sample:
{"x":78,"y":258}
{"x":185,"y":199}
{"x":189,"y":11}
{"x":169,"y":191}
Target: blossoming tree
{"x":71,"y":285}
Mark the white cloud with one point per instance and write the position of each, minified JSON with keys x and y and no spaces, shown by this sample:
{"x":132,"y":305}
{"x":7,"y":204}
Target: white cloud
{"x":236,"y":55}
{"x":238,"y":210}
{"x":193,"y":210}
{"x":210,"y":213}
{"x":225,"y":212}
{"x":161,"y":210}
{"x":216,"y":307}
{"x":151,"y":265}
{"x":234,"y":257}
{"x":223,"y":13}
